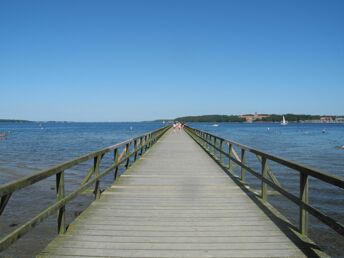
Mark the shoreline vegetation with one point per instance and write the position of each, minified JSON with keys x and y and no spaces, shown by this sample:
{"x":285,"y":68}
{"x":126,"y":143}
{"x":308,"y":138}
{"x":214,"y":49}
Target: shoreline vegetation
{"x":14,"y":121}
{"x":246,"y":118}
{"x":273,"y":118}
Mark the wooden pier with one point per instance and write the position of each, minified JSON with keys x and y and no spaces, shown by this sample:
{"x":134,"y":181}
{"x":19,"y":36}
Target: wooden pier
{"x":178,"y":199}
{"x":174,"y":202}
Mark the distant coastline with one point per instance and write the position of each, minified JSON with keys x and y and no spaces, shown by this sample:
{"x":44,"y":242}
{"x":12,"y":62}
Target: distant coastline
{"x":256,"y":118}
{"x":246,"y":118}
{"x":14,"y":121}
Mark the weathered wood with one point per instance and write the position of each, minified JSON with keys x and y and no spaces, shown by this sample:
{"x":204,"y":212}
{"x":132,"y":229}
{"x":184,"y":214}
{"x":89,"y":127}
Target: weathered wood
{"x":96,"y":174}
{"x":115,"y":159}
{"x":7,"y":189}
{"x":264,"y":190}
{"x":176,"y":202}
{"x":221,"y":150}
{"x":3,"y":202}
{"x":270,"y":173}
{"x":135,"y":149}
{"x":323,"y":176}
{"x":60,"y":194}
{"x":243,"y":170}
{"x":127,"y":146}
{"x":88,"y":175}
{"x":303,"y":170}
{"x":229,"y":155}
{"x":303,"y":219}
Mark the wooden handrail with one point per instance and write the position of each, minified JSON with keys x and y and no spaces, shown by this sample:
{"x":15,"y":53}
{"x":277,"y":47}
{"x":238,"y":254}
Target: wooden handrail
{"x":208,"y":142}
{"x":140,"y":145}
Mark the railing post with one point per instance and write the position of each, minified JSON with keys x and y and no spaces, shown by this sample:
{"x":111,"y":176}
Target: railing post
{"x":135,"y":149}
{"x":303,"y":220}
{"x":243,"y":170}
{"x":221,"y":150}
{"x":145,"y":141}
{"x":126,"y":154}
{"x":264,"y":175}
{"x":214,"y":146}
{"x":229,"y":156}
{"x":209,"y":144}
{"x":60,"y":194}
{"x":96,"y":163}
{"x":115,"y":159}
{"x":148,"y":140}
{"x":3,"y":202}
{"x":141,"y":146}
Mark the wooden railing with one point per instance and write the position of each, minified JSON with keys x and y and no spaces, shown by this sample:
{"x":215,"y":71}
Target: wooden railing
{"x":214,"y":145}
{"x":123,"y":153}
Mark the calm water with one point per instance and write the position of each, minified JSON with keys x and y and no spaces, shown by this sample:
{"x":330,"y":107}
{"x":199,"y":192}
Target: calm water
{"x":314,"y":145}
{"x":30,"y":147}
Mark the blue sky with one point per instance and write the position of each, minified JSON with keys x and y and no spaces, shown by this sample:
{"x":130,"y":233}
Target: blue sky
{"x":140,"y":60}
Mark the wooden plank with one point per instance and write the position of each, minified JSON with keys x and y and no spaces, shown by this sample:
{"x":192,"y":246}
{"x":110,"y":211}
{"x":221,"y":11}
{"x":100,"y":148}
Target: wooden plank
{"x":175,"y":246}
{"x":181,"y":239}
{"x":242,"y":233}
{"x":175,"y":202}
{"x":173,"y":253}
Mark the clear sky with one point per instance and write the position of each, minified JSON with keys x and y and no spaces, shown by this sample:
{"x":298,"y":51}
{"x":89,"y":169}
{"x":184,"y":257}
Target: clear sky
{"x":140,"y":60}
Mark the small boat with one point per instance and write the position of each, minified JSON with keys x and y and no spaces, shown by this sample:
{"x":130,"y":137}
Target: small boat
{"x":284,"y":122}
{"x":215,"y":125}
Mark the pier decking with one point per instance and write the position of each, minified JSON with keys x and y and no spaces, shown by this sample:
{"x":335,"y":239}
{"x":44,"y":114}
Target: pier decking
{"x":175,"y":201}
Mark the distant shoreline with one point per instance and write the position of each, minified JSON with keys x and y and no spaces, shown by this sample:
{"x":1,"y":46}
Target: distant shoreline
{"x":267,"y":118}
{"x":247,"y":118}
{"x":14,"y":121}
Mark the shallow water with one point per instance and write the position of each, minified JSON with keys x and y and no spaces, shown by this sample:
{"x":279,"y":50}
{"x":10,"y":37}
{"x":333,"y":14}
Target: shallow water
{"x":29,"y":147}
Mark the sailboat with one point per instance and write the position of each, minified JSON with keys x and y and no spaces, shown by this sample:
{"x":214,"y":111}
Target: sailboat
{"x":284,"y":122}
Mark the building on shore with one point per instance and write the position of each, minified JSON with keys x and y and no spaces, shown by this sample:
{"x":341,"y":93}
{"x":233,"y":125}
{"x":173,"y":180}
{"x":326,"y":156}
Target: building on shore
{"x":326,"y":119}
{"x":253,"y":117}
{"x":339,"y":120}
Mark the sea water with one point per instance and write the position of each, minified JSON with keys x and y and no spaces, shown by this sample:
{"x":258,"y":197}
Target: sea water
{"x":30,"y":147}
{"x":314,"y":145}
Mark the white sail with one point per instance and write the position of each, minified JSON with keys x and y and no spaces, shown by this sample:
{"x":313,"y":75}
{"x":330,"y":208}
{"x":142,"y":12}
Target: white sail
{"x":284,"y":122}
